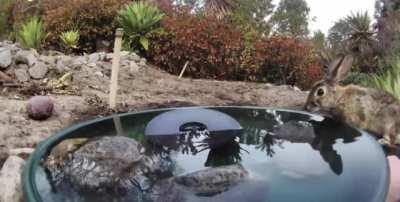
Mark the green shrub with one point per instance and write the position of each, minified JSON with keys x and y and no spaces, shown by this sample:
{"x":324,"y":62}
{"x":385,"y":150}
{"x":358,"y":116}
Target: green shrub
{"x":96,"y":20}
{"x":31,"y":34}
{"x":388,"y":80}
{"x":138,"y":20}
{"x":356,"y":78}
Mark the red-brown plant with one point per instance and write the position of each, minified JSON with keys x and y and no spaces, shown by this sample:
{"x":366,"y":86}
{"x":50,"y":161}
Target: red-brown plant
{"x":212,"y":47}
{"x":216,"y":49}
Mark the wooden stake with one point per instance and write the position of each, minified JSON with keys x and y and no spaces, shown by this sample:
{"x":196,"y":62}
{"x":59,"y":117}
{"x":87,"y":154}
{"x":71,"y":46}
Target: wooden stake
{"x":118,"y":125}
{"x":183,"y":69}
{"x":115,"y":68}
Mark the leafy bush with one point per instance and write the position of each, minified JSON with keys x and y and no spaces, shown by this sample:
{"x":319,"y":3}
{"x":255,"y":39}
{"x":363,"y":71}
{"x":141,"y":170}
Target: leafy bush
{"x":216,"y":49}
{"x":31,"y":34}
{"x":95,"y":19}
{"x":138,"y":20}
{"x":212,"y":47}
{"x":285,"y":60}
{"x":70,"y":39}
{"x":388,"y":81}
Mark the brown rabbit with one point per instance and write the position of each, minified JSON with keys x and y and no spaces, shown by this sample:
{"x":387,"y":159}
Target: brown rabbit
{"x":373,"y":110}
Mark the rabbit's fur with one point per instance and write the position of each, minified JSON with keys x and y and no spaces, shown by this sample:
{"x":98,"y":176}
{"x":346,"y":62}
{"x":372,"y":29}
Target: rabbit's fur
{"x":373,"y":110}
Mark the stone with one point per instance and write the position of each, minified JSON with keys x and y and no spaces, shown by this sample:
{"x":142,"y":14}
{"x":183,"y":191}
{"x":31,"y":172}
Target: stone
{"x":96,"y":57}
{"x":78,"y":62}
{"x":207,"y":182}
{"x":10,"y":180}
{"x":23,"y":153}
{"x":5,"y":57}
{"x":133,"y":67}
{"x":62,"y":64}
{"x":143,"y":62}
{"x":135,"y":57}
{"x":38,"y":71}
{"x":49,"y":60}
{"x":21,"y":73}
{"x":40,"y":107}
{"x":26,"y":57}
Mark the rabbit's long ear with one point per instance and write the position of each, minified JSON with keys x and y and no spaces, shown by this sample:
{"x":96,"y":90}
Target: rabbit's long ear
{"x":339,"y":68}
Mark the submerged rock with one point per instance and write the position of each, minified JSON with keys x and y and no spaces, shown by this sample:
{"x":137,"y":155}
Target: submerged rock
{"x":108,"y":162}
{"x":208,"y":182}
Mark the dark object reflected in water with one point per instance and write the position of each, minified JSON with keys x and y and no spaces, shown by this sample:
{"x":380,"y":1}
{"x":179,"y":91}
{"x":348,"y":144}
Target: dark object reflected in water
{"x":290,"y":156}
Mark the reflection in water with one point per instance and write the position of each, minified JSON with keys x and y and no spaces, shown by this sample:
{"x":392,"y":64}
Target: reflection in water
{"x":266,"y":130}
{"x":271,"y":128}
{"x":223,"y":146}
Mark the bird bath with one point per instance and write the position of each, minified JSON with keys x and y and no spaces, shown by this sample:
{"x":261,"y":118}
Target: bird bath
{"x":286,"y":155}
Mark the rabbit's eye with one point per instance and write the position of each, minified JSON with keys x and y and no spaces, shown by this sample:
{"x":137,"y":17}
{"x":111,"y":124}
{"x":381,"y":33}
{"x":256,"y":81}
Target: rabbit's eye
{"x":320,"y":92}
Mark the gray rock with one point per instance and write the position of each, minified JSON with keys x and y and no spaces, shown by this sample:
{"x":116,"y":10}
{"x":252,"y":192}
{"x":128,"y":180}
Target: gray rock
{"x":63,"y":63}
{"x":135,"y":57}
{"x":22,"y":75}
{"x":133,"y":67}
{"x":5,"y":57}
{"x":49,"y":60}
{"x":38,"y":70}
{"x":26,"y":57}
{"x":10,"y":180}
{"x":78,"y":62}
{"x":96,"y":57}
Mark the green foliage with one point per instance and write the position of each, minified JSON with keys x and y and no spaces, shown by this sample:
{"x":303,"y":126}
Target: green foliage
{"x":139,"y":20}
{"x":31,"y":34}
{"x":251,"y":15}
{"x":5,"y":27}
{"x":388,"y":81}
{"x":356,"y":78}
{"x":291,"y":18}
{"x":353,"y":34}
{"x":318,"y":40}
{"x":70,"y":39}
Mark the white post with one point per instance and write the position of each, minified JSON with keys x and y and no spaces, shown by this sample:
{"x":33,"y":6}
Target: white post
{"x":183,"y":69}
{"x":115,"y":68}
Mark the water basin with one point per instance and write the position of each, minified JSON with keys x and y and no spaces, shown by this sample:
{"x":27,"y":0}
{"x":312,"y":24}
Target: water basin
{"x":288,"y":155}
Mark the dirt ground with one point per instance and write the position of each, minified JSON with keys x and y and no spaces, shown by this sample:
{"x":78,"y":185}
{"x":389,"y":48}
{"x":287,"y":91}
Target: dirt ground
{"x":145,"y":88}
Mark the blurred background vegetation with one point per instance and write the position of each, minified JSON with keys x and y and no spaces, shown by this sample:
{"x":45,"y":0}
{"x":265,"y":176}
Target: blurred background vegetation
{"x":246,"y":40}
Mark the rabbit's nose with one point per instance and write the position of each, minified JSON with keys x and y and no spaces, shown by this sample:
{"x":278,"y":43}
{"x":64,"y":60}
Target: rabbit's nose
{"x":311,"y":106}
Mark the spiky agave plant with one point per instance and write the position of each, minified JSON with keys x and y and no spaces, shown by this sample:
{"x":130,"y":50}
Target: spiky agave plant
{"x":31,"y":34}
{"x":388,"y":81}
{"x":70,"y":39}
{"x":138,"y":20}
